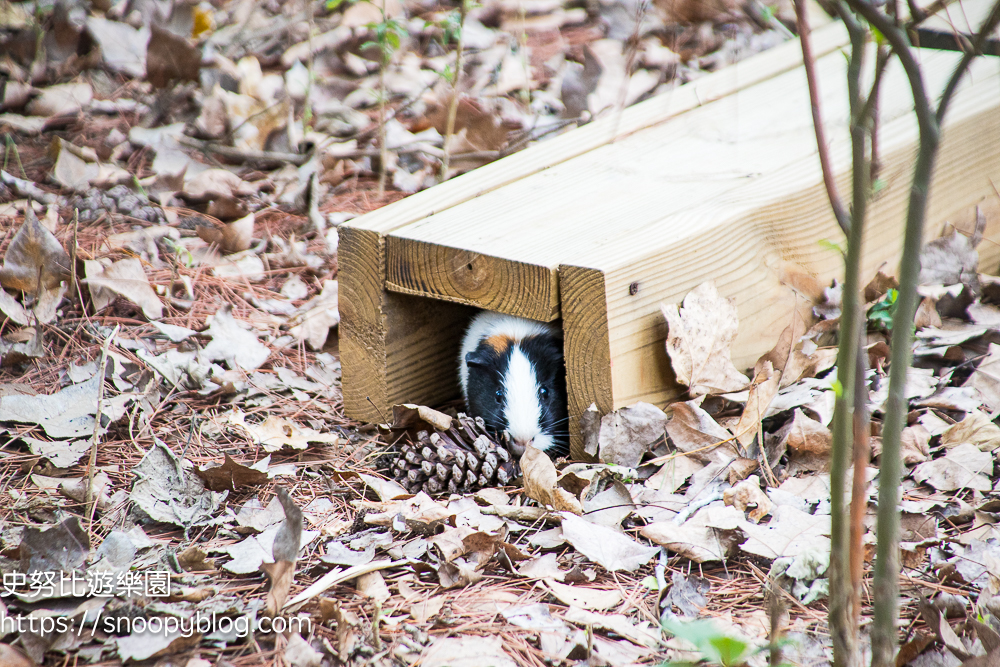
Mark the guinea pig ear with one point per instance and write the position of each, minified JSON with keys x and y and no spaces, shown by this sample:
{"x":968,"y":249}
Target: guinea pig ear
{"x":476,"y":358}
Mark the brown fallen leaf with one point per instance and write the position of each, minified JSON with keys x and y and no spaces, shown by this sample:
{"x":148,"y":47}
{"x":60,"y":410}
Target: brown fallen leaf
{"x":763,"y":389}
{"x":976,"y":429}
{"x":372,"y":586}
{"x":426,"y":609}
{"x":467,"y":650}
{"x":604,"y":546}
{"x":541,"y":482}
{"x":627,"y":434}
{"x":693,"y":430}
{"x":313,"y":321}
{"x":170,"y":57}
{"x":700,"y":335}
{"x":808,"y":443}
{"x":986,"y":378}
{"x":11,"y":657}
{"x":230,"y":476}
{"x":231,"y":237}
{"x":582,"y":596}
{"x":35,"y":261}
{"x":285,"y":552}
{"x":963,"y":466}
{"x":914,"y":444}
{"x":712,"y":534}
{"x":746,"y":494}
{"x":126,"y":278}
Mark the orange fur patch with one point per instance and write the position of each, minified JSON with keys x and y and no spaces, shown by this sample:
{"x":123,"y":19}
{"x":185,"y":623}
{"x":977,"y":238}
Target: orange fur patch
{"x":499,"y":342}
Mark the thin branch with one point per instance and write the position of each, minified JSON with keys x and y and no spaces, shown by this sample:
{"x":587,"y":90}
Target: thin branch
{"x":809,"y":62}
{"x":453,"y":102}
{"x":985,"y":29}
{"x":842,"y":628}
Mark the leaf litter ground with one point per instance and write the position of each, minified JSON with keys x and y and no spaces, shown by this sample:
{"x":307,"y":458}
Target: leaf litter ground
{"x":186,"y":325}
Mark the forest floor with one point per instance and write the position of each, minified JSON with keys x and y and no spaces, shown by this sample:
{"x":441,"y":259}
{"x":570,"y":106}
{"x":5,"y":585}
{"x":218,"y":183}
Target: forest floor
{"x":173,"y":447}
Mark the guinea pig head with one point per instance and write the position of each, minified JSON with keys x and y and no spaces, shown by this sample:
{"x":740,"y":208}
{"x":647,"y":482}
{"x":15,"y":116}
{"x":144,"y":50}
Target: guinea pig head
{"x":519,"y":387}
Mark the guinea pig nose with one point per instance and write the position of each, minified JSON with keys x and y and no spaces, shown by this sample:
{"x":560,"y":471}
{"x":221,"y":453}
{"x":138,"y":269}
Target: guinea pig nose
{"x":517,"y":447}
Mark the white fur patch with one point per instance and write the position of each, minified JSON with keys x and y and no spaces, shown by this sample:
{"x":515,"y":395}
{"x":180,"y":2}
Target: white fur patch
{"x":488,"y":323}
{"x":521,"y":395}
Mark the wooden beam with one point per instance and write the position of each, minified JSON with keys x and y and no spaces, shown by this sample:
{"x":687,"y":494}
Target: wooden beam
{"x":454,"y":274}
{"x":393,"y":348}
{"x":586,"y":346}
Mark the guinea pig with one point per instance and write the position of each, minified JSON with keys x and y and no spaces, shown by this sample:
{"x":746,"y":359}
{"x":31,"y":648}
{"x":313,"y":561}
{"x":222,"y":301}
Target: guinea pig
{"x":513,"y":375}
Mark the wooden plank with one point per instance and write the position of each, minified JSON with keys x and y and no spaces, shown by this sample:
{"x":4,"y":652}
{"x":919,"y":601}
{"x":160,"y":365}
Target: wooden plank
{"x":743,"y":240}
{"x":475,"y":279}
{"x":654,"y":111}
{"x":361,"y":259}
{"x":586,"y":347}
{"x":393,"y":348}
{"x":367,"y":318}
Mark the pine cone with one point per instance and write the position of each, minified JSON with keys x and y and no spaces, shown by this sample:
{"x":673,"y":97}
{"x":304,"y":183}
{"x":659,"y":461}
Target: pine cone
{"x":462,"y":459}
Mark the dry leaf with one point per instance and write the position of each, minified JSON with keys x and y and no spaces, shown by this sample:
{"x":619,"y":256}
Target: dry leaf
{"x":170,"y":57}
{"x":699,"y":340}
{"x":986,"y":378}
{"x":426,"y":609}
{"x":468,"y":650}
{"x":691,"y":428}
{"x":963,"y":467}
{"x":372,"y":586}
{"x":583,"y":597}
{"x":317,"y":316}
{"x":604,"y":546}
{"x":127,"y":278}
{"x":710,"y":535}
{"x":276,"y":433}
{"x":976,"y":429}
{"x":913,"y":442}
{"x":541,"y":482}
{"x":672,"y":475}
{"x":763,"y":389}
{"x":231,"y":237}
{"x":808,"y":443}
{"x":34,"y":254}
{"x":628,"y":433}
{"x":233,"y":343}
{"x":746,"y":494}
{"x":789,"y":533}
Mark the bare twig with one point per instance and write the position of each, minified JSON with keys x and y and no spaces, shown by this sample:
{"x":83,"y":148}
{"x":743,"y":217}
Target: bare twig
{"x":91,"y":503}
{"x":809,"y":63}
{"x":453,"y":103}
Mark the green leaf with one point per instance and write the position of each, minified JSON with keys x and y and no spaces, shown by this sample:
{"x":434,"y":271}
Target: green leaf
{"x":393,"y":39}
{"x":880,"y":315}
{"x":651,"y":583}
{"x":729,"y":651}
{"x":838,"y":388}
{"x":827,"y":244}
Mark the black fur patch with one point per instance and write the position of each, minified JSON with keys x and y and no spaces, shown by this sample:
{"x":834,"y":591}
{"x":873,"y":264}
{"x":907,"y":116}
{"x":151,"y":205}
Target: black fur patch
{"x":487,"y":366}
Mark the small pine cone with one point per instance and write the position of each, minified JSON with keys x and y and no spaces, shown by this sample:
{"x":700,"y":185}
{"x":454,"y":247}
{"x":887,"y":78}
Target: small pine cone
{"x":463,"y":458}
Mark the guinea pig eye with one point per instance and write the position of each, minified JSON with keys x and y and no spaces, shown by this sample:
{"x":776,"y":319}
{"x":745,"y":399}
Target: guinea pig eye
{"x":543,"y":393}
{"x":499,"y":395}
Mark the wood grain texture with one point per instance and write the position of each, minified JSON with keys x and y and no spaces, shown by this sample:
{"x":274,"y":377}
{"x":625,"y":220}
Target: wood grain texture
{"x":461,"y":276}
{"x":422,"y":343}
{"x":655,"y":111}
{"x":586,"y":345}
{"x":363,"y":330}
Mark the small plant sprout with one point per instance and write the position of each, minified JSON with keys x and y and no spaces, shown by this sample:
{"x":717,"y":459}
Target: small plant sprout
{"x":388,"y":38}
{"x":452,"y":28}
